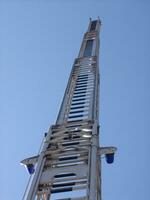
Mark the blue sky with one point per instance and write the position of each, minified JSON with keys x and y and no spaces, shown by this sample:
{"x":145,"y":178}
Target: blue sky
{"x":39,"y":40}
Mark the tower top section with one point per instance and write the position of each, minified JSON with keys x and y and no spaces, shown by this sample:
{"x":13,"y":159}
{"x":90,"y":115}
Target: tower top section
{"x":90,"y":43}
{"x":82,"y":88}
{"x":94,"y":25}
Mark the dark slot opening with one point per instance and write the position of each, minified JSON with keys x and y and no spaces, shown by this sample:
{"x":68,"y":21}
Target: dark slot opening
{"x":81,"y":99}
{"x":78,"y":111}
{"x":75,"y":116}
{"x":61,"y":190}
{"x":63,"y":184}
{"x":82,"y":82}
{"x":64,"y":199}
{"x":77,"y":96}
{"x":70,"y":144}
{"x":81,"y":86}
{"x":79,"y":81}
{"x":77,"y":136}
{"x":68,"y":158}
{"x":80,"y":103}
{"x":83,"y":92}
{"x":80,"y":89}
{"x":86,"y":75}
{"x":78,"y":107}
{"x":85,"y":78}
{"x":66,"y":138}
{"x":64,"y":175}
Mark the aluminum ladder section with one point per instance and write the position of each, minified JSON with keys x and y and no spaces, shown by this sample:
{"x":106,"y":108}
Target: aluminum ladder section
{"x":68,"y":167}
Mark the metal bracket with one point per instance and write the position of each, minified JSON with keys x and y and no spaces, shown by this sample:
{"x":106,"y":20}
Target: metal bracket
{"x":31,"y":160}
{"x":106,"y":150}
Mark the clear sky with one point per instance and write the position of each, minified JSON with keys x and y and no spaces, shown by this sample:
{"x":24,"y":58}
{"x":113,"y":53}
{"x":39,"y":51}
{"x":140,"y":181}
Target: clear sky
{"x":39,"y":40}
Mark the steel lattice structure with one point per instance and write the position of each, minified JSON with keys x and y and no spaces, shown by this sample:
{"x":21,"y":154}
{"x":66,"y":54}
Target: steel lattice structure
{"x":69,"y":165}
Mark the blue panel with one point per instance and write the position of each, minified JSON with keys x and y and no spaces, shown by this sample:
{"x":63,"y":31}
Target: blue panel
{"x":30,"y":168}
{"x":88,"y":48}
{"x":109,"y":158}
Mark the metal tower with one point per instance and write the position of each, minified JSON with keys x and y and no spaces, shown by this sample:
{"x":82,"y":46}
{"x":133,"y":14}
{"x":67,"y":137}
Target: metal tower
{"x":68,"y":166}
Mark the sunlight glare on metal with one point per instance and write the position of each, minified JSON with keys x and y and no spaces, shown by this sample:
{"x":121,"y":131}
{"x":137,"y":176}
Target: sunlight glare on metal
{"x":87,"y":135}
{"x":86,"y":130}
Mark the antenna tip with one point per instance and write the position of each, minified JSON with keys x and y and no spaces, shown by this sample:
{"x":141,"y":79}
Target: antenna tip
{"x":99,"y":20}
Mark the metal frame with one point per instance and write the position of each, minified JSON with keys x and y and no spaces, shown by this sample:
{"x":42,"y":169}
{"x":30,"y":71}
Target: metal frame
{"x":69,"y":160}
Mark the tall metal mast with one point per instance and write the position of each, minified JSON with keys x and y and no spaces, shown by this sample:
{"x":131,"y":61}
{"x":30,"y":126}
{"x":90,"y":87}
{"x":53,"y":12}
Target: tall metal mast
{"x":69,"y":165}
